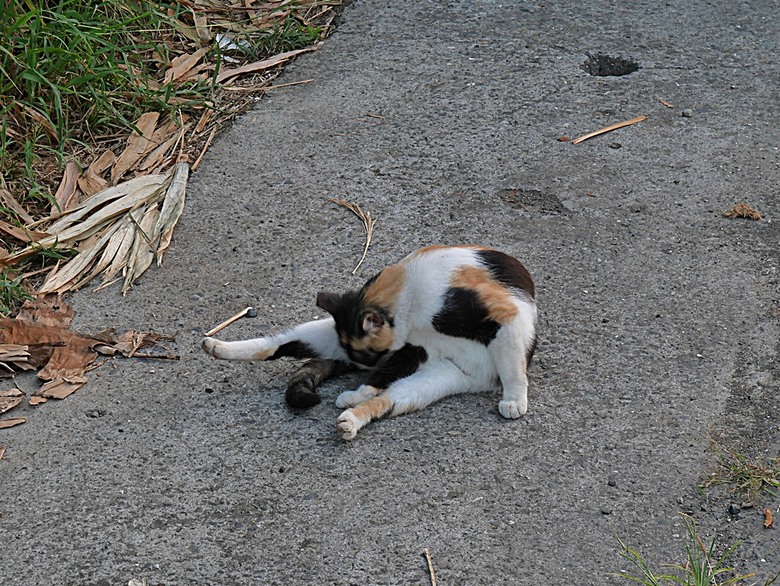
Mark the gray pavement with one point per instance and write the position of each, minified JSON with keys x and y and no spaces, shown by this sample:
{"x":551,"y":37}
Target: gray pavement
{"x":658,"y":327}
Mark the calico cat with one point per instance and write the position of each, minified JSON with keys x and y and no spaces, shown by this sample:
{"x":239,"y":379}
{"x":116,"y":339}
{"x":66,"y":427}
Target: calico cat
{"x":444,"y":320}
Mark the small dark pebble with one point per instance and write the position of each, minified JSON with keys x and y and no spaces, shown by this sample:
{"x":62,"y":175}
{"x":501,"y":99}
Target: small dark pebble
{"x":611,"y":481}
{"x":94,"y":413}
{"x":615,"y":145}
{"x":733,"y":509}
{"x":687,"y":113}
{"x":703,"y":508}
{"x":606,"y":511}
{"x":209,"y":390}
{"x":251,"y":313}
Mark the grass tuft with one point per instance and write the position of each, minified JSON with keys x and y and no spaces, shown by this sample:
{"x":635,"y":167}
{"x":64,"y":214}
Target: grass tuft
{"x":702,"y":566}
{"x":750,"y":479}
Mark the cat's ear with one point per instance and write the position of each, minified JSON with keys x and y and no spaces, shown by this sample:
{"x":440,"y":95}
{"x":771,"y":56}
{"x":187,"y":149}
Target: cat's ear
{"x":372,"y":322}
{"x":330,"y":302}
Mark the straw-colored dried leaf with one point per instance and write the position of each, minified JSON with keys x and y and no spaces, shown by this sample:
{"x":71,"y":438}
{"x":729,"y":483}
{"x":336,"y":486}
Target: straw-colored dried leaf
{"x":368,"y":226}
{"x":743,"y":210}
{"x":12,"y":422}
{"x":138,"y":145}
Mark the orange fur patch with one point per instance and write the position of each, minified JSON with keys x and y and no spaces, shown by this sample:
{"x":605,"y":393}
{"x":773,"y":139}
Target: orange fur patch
{"x":435,"y":247}
{"x":384,"y":291}
{"x":373,"y":408}
{"x":497,"y":299}
{"x":381,"y":340}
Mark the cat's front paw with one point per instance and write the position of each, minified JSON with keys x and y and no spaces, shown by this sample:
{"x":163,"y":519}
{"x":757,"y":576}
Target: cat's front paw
{"x":348,"y":399}
{"x":347,"y":425}
{"x":512,"y":409}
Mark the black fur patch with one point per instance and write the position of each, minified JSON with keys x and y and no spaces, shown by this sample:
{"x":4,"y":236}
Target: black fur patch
{"x":465,"y":316}
{"x":295,"y":349}
{"x":529,"y":354}
{"x":302,"y":389}
{"x":403,"y":363}
{"x":507,"y":270}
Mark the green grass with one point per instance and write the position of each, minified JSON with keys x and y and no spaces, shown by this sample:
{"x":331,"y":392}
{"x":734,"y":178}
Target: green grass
{"x":71,"y":71}
{"x":11,"y":292}
{"x":703,"y":566}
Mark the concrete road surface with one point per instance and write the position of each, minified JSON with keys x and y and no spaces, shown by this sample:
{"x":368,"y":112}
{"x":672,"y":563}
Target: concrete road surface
{"x":658,"y":315}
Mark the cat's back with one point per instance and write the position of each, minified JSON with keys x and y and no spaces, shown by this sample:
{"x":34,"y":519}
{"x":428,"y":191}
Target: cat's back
{"x":435,"y":269}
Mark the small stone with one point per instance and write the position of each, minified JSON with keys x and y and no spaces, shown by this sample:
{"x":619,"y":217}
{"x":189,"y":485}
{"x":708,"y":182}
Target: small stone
{"x":615,"y":145}
{"x":94,"y":413}
{"x":687,"y":113}
{"x":734,"y":509}
{"x":209,"y":390}
{"x":251,"y":313}
{"x":611,"y":481}
{"x":606,"y":511}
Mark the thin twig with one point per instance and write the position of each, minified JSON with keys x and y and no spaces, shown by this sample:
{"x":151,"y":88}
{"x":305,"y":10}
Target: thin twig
{"x":609,"y":129}
{"x":265,"y":88}
{"x":430,"y":566}
{"x":158,"y":356}
{"x":205,"y":148}
{"x":229,"y":321}
{"x":368,"y":225}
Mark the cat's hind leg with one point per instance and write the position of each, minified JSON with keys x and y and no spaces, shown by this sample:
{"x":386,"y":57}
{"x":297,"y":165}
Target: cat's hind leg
{"x":314,"y":339}
{"x":433,"y":381}
{"x":511,"y":350}
{"x":400,"y":364}
{"x":302,"y":389}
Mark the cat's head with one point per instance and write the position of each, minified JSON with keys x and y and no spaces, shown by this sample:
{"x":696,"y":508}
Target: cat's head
{"x":366,"y":333}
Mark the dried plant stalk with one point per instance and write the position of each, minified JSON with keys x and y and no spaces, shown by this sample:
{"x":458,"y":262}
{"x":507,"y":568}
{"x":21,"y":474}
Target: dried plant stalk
{"x":608,"y":129}
{"x":368,"y":225}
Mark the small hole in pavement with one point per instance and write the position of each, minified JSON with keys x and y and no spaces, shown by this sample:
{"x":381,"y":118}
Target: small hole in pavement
{"x":608,"y":66}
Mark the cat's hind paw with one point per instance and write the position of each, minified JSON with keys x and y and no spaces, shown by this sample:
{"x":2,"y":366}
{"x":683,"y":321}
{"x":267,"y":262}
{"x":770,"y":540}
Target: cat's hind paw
{"x":512,"y":409}
{"x":347,"y":425}
{"x":210,"y":346}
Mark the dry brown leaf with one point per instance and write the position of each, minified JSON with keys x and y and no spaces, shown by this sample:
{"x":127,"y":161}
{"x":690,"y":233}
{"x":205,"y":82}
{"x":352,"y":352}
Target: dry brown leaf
{"x":9,"y":202}
{"x":48,"y":310}
{"x":72,"y":352}
{"x":143,"y":252}
{"x":768,"y":520}
{"x":65,"y":197}
{"x":59,"y":388}
{"x":201,"y":24}
{"x":11,"y":393}
{"x":146,"y":184}
{"x":2,"y":452}
{"x":172,"y":209}
{"x":181,"y":65}
{"x":39,"y":119}
{"x":8,"y":403}
{"x":92,"y":181}
{"x":11,"y":422}
{"x":743,"y":210}
{"x":64,"y":279}
{"x":158,"y":155}
{"x":22,"y":234}
{"x":228,"y":74}
{"x":125,"y":237}
{"x":36,"y":400}
{"x":137,"y":145}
